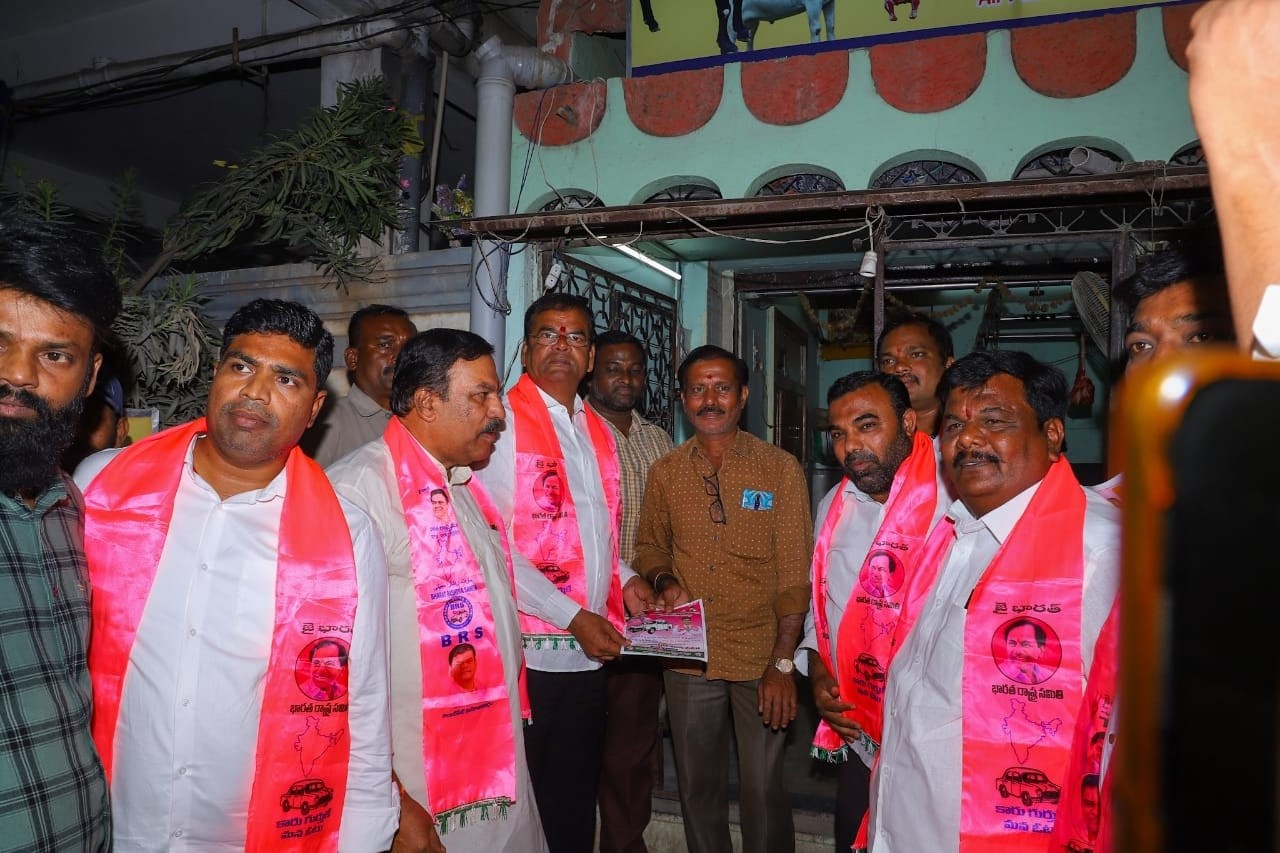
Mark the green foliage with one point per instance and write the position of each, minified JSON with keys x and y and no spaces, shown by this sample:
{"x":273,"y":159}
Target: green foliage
{"x":172,"y":346}
{"x":39,"y":199}
{"x":122,"y":228}
{"x":167,"y":338}
{"x":319,"y":188}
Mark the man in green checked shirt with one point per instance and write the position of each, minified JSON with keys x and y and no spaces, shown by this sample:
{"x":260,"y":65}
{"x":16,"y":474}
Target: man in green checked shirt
{"x":57,"y":302}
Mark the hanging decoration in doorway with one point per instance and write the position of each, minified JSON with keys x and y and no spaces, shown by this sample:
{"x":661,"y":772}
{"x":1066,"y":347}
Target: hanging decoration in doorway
{"x":1080,"y":403}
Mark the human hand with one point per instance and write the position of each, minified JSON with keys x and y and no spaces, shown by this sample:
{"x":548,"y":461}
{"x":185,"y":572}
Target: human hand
{"x":826,"y":695}
{"x":1234,"y":89}
{"x":1234,"y":85}
{"x":777,"y":697}
{"x":417,"y":831}
{"x":596,"y":636}
{"x":669,"y":593}
{"x":637,"y":595}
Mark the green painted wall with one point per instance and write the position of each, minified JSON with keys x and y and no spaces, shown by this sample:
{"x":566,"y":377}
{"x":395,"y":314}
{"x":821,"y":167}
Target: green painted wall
{"x":1002,"y":125}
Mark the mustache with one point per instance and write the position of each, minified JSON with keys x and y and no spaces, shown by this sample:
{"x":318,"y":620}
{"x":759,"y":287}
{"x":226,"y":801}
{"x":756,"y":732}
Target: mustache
{"x":856,"y":456}
{"x":494,"y":425}
{"x":255,"y":409}
{"x":24,"y":397}
{"x":389,"y":370}
{"x":710,"y":410}
{"x":974,"y":456}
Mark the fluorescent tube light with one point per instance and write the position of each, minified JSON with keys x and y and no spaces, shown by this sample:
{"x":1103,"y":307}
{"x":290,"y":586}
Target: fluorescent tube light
{"x":646,"y":260}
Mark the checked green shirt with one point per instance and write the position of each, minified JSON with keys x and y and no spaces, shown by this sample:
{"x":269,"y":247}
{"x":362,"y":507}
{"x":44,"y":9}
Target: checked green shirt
{"x":53,"y":795}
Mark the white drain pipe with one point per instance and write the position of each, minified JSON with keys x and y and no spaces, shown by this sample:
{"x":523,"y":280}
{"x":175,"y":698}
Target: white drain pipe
{"x":501,"y":68}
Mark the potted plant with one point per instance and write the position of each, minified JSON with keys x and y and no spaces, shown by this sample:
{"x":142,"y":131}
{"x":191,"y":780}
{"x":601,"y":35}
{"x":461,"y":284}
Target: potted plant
{"x":453,"y":203}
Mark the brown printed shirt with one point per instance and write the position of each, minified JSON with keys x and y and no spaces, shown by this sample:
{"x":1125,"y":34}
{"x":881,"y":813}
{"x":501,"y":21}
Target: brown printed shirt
{"x":749,"y":570}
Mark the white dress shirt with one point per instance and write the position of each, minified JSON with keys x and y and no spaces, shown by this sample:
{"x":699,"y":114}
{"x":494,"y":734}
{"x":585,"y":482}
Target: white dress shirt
{"x":188,"y":728}
{"x":367,"y":477}
{"x":535,"y":594}
{"x":915,"y":791}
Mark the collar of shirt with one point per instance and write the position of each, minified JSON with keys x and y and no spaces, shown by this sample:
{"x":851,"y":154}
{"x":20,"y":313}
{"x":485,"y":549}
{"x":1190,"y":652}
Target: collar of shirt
{"x":49,"y":498}
{"x":637,"y":423}
{"x":999,"y":522}
{"x":364,"y":405}
{"x":269,"y":492}
{"x":618,"y":435}
{"x":857,"y":494}
{"x":459,"y":476}
{"x":741,"y":446}
{"x":553,"y":403}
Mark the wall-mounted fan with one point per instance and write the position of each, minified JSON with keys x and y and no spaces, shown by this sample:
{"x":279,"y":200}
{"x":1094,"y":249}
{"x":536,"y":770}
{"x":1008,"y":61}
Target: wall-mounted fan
{"x":1092,"y":296}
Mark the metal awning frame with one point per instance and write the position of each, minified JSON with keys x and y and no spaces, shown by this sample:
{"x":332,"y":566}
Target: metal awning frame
{"x":1009,"y":202}
{"x":1141,"y":203}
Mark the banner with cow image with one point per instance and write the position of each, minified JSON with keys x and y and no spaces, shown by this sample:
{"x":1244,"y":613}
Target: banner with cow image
{"x":678,"y":35}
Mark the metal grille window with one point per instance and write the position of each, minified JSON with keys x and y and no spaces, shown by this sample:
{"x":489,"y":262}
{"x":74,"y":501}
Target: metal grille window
{"x":650,"y":316}
{"x":571,"y":201}
{"x":919,"y":173}
{"x":1064,"y":162}
{"x":805,"y":182}
{"x":1188,"y":155}
{"x":685,"y":192}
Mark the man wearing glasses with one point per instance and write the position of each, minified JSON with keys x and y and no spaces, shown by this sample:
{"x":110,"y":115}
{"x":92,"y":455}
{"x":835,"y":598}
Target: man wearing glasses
{"x":571,"y":608}
{"x":726,"y":519}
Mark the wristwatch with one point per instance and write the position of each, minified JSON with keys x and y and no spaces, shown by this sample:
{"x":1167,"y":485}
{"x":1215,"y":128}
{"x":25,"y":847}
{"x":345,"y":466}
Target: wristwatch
{"x":786,"y":666}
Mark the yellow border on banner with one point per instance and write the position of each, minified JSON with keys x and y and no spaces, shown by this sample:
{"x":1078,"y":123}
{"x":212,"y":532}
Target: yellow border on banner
{"x":688,"y":28}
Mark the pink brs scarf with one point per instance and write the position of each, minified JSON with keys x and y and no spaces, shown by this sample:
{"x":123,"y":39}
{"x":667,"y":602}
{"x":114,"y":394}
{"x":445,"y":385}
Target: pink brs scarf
{"x":1023,"y":674}
{"x":468,"y":747}
{"x":545,"y":525}
{"x":1084,"y":817}
{"x":865,"y":638}
{"x":302,"y":737}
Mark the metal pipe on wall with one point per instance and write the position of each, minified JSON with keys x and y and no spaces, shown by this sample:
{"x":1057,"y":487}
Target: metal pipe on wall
{"x":438,"y":129}
{"x":501,"y":68}
{"x":415,"y":71}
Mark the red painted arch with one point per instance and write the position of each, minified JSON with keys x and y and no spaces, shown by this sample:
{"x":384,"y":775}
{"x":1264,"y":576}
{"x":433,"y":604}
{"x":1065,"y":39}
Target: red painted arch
{"x":795,"y":89}
{"x":569,"y":113}
{"x":1177,"y":31}
{"x":674,"y":104}
{"x":1075,"y":58}
{"x":931,"y":75}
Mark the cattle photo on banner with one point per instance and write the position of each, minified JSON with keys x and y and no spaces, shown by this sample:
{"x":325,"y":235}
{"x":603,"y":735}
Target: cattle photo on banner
{"x":677,"y":35}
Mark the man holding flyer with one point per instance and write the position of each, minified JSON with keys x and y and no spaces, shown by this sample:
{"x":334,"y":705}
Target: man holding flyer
{"x":726,"y":519}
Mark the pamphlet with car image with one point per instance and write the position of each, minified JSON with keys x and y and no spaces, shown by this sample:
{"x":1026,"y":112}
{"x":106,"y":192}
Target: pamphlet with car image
{"x":682,"y":633}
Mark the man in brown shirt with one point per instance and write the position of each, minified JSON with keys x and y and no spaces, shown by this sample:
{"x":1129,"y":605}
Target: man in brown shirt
{"x":726,"y":519}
